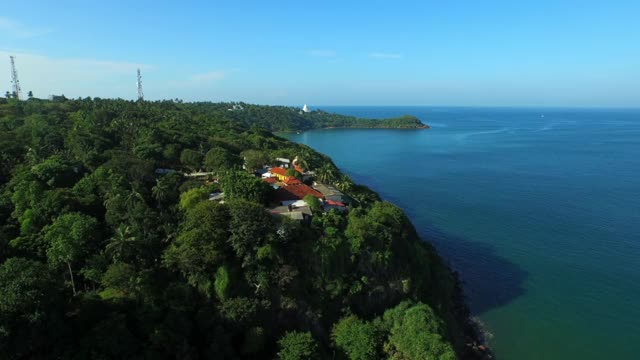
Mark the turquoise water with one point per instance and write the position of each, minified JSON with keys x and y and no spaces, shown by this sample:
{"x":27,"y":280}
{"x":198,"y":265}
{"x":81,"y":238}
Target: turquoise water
{"x":539,"y":210}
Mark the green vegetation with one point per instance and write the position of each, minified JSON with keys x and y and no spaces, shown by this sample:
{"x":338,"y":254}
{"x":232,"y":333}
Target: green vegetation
{"x":298,"y":345}
{"x":281,"y":118}
{"x":107,"y":250}
{"x":313,"y":202}
{"x":407,"y":331}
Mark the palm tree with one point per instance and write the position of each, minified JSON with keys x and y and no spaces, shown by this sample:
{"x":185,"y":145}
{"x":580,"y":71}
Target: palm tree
{"x":326,"y":173}
{"x":120,"y":244}
{"x":133,"y":199}
{"x":344,"y":183}
{"x":111,"y":199}
{"x":303,"y":158}
{"x":161,"y":191}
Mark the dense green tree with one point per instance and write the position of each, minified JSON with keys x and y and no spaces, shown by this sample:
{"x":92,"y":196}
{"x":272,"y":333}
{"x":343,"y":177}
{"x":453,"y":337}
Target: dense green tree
{"x":69,"y":238}
{"x":30,"y":307}
{"x":191,"y":159}
{"x":200,"y":247}
{"x":55,"y":172}
{"x":415,"y":333}
{"x":333,"y":258}
{"x":27,"y":289}
{"x":192,"y":197}
{"x":313,"y":202}
{"x":250,"y":227}
{"x":222,"y":283}
{"x":255,"y":159}
{"x":297,"y":346}
{"x":219,"y":159}
{"x":358,"y":339}
{"x":119,"y":280}
{"x":238,"y":185}
{"x":241,"y":311}
{"x":171,"y":153}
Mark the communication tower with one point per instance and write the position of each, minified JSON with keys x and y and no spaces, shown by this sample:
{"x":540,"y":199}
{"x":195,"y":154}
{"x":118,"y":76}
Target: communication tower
{"x":140,"y":93}
{"x":17,"y":91}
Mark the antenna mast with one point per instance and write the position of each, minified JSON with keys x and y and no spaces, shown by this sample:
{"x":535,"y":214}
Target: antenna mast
{"x":140,"y":93}
{"x":17,"y":92}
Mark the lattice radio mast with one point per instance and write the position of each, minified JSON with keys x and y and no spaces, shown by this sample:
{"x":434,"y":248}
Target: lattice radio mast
{"x":140,"y":93}
{"x":17,"y":91}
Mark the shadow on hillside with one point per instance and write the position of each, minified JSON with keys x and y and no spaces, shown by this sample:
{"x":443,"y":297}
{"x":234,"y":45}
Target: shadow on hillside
{"x":489,"y":280}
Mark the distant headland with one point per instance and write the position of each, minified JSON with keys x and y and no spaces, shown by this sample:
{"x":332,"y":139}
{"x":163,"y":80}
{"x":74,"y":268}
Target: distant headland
{"x":291,"y":119}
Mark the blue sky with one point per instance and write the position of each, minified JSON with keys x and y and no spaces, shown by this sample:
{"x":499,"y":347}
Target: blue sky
{"x":544,"y":53}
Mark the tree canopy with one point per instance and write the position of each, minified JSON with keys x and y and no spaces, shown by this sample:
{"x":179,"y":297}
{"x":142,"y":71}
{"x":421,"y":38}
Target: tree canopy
{"x":297,"y":345}
{"x":110,"y":246}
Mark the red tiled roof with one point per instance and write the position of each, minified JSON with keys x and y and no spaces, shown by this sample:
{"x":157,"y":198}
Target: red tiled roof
{"x":334,"y":203}
{"x":295,"y":192}
{"x":298,"y":168}
{"x":271,"y":180}
{"x":278,"y":170}
{"x":292,"y":181}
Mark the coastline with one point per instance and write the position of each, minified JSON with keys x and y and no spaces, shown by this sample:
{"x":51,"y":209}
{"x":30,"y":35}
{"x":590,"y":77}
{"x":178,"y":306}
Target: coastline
{"x":420,"y":127}
{"x":475,"y":345}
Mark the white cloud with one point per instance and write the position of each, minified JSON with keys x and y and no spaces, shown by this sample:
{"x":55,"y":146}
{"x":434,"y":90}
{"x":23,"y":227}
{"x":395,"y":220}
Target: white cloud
{"x":73,"y":77}
{"x":209,"y":76}
{"x":17,"y":29}
{"x":379,"y":55}
{"x":322,"y":53}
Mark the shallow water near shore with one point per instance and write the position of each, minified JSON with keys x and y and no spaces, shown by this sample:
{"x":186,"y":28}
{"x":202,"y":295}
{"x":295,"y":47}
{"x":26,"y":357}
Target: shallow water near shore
{"x":539,"y":210}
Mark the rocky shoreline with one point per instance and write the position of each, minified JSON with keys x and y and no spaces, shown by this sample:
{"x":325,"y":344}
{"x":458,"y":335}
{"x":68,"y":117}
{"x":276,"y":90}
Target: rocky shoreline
{"x":475,"y":347}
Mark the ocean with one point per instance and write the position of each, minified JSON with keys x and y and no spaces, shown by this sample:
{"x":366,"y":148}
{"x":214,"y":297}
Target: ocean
{"x":537,"y":208}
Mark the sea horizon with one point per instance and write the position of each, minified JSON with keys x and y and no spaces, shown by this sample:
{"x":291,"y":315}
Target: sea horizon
{"x":537,"y":215}
{"x":551,"y":107}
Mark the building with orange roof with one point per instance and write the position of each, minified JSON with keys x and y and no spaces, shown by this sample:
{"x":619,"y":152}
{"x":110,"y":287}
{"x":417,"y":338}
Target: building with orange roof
{"x":279,"y":173}
{"x":292,"y":181}
{"x":292,"y":193}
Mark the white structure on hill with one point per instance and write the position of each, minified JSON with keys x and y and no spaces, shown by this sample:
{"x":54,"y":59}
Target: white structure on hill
{"x":305,"y":108}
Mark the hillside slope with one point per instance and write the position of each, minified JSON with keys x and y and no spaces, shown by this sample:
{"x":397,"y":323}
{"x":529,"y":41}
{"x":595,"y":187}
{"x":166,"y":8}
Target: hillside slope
{"x":108,"y":251}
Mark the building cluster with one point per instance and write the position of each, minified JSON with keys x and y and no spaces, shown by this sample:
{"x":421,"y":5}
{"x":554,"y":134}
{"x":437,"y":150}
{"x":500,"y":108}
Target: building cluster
{"x":290,"y":183}
{"x":291,"y":190}
{"x":236,"y":107}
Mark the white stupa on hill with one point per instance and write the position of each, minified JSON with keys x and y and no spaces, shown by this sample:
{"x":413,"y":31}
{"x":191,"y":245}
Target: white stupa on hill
{"x":305,"y":108}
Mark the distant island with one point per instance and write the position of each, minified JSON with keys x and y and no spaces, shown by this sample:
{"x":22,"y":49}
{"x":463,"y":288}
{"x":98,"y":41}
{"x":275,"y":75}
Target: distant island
{"x":287,"y":119}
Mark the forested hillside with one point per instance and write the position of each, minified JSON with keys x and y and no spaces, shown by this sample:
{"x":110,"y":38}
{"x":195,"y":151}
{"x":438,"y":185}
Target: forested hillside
{"x":108,"y":251}
{"x":282,"y":118}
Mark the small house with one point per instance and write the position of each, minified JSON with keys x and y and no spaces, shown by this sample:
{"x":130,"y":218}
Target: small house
{"x":284,"y":162}
{"x":279,"y":173}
